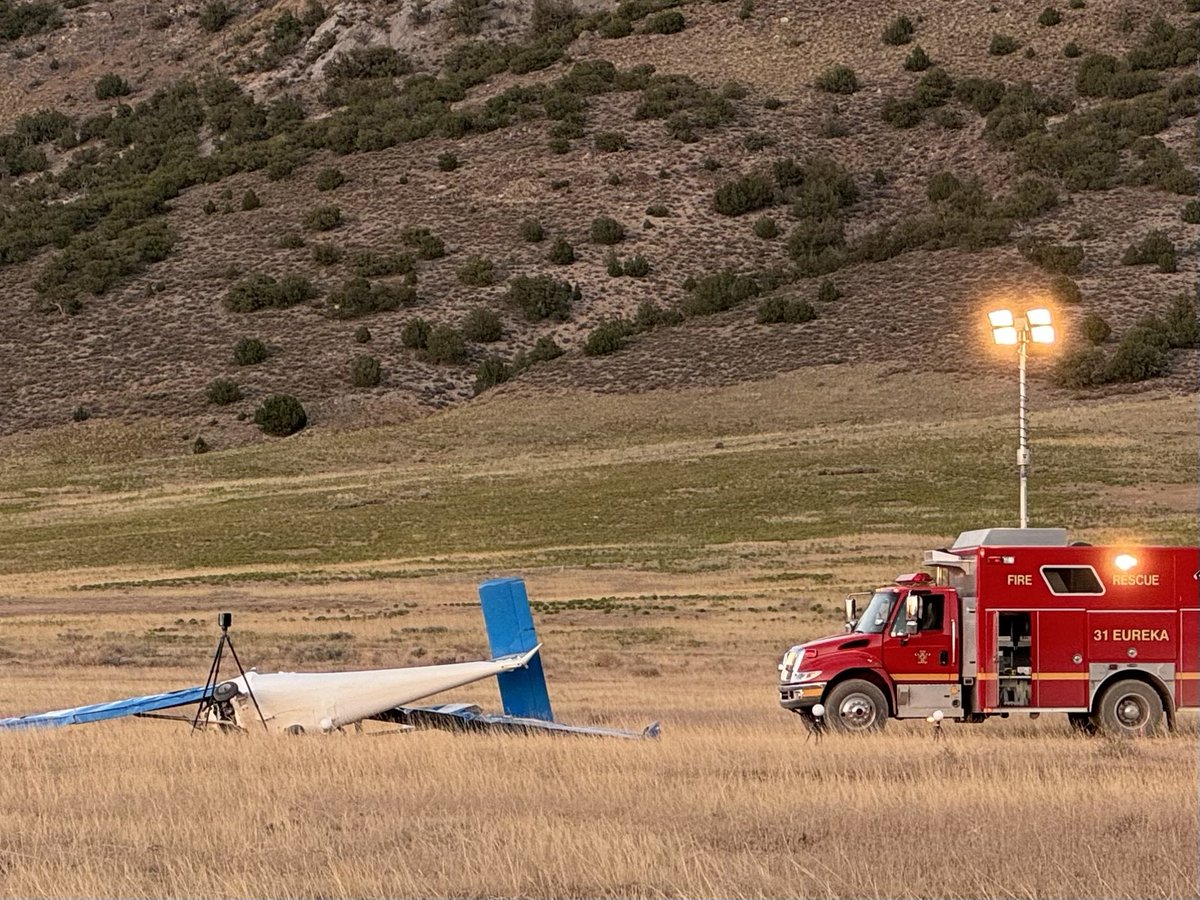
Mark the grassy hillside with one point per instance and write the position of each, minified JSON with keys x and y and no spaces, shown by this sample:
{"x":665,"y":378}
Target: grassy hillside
{"x":386,"y":163}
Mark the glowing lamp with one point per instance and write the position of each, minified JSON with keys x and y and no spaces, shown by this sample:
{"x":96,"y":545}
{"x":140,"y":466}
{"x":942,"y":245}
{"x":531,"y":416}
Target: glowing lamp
{"x":1125,"y":562}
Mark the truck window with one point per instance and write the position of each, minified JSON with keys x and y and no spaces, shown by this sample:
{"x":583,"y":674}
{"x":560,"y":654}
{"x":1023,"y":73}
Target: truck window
{"x":1072,"y":580}
{"x":874,"y":618}
{"x":932,"y":615}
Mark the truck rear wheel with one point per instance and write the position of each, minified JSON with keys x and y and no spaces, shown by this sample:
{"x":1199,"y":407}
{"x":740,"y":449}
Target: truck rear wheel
{"x":856,"y":707}
{"x":1129,"y":708}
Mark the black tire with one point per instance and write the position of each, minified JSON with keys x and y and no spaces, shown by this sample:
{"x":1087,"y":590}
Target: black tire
{"x":1129,"y":708}
{"x":856,"y":707}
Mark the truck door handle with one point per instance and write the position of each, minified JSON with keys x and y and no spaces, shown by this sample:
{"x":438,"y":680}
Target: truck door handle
{"x":944,"y":657}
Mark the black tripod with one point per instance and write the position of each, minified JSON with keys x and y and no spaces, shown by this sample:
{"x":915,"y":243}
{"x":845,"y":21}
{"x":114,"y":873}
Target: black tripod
{"x":213,"y":696}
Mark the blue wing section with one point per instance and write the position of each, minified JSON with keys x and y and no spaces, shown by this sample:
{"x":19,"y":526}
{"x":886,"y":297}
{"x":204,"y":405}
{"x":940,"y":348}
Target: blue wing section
{"x":464,"y":717}
{"x":510,"y":630}
{"x":114,"y":709}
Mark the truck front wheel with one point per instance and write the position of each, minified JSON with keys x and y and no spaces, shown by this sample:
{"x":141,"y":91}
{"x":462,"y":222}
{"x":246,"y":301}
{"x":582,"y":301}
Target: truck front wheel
{"x":856,"y":707}
{"x":1129,"y":708}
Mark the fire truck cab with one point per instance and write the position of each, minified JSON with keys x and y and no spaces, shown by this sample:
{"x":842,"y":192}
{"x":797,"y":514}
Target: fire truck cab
{"x":1012,"y":620}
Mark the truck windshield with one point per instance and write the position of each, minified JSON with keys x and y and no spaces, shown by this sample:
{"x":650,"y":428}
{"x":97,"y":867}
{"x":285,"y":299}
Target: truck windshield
{"x":875,"y":617}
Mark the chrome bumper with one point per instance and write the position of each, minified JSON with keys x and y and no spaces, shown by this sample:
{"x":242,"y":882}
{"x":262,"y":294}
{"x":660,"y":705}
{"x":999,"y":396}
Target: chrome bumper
{"x":801,"y":696}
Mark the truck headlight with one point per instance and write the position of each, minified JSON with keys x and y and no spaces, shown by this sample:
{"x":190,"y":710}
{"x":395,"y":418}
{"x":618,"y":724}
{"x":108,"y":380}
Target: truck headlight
{"x":791,"y":662}
{"x":800,"y":677}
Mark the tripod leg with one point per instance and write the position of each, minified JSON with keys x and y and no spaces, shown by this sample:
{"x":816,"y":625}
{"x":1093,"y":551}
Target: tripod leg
{"x":210,"y":683}
{"x":249,"y":689}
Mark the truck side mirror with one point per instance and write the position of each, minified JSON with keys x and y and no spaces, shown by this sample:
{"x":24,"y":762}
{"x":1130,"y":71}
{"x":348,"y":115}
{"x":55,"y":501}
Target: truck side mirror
{"x":851,"y":613}
{"x":912,"y":613}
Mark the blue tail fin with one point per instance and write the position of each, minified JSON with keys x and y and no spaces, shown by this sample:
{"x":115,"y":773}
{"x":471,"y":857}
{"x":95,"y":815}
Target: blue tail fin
{"x":510,"y":630}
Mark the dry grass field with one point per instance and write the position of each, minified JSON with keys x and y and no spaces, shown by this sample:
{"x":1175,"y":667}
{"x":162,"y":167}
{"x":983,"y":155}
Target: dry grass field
{"x":674,"y":544}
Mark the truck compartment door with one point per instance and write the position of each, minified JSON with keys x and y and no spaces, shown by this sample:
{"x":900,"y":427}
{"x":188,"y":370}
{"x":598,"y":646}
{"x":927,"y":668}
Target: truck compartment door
{"x":1060,"y":671}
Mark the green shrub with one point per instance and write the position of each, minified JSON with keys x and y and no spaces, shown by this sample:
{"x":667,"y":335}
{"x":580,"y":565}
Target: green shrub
{"x":607,"y":337}
{"x":19,"y":20}
{"x":329,"y":179}
{"x":1072,"y":50}
{"x":445,"y":346}
{"x":917,"y":60}
{"x":415,"y":334}
{"x":427,"y":244}
{"x":901,"y":112}
{"x":1144,"y":352}
{"x":934,"y":88}
{"x":111,"y":85}
{"x":1002,"y":45}
{"x":615,"y":27}
{"x":280,"y":415}
{"x":255,"y":292}
{"x":467,"y":16}
{"x":543,"y":350}
{"x":1061,"y":258}
{"x":447,"y":162}
{"x":650,"y":316}
{"x":610,"y":141}
{"x":667,"y":22}
{"x":899,"y":31}
{"x":362,"y":335}
{"x":1083,"y":367}
{"x":766,"y":228}
{"x":780,"y":309}
{"x":838,"y":80}
{"x":1182,"y":323}
{"x":757,"y":140}
{"x":1064,"y":289}
{"x":250,"y":201}
{"x":828,"y":292}
{"x":532,"y":231}
{"x":1191,"y":212}
{"x":550,"y":17}
{"x":482,"y":325}
{"x":613,"y":266}
{"x":81,"y":414}
{"x":1094,"y":329}
{"x":637,"y":266}
{"x":561,"y":252}
{"x":477,"y":271}
{"x":1049,"y":16}
{"x":746,"y":10}
{"x":541,"y":297}
{"x":744,"y":195}
{"x":210,"y":207}
{"x":365,"y":372}
{"x":223,"y":391}
{"x":1155,"y":248}
{"x":657,"y":210}
{"x":326,"y":254}
{"x":249,"y":352}
{"x":772,"y":103}
{"x":372,"y":264}
{"x":492,"y":371}
{"x":607,"y":231}
{"x":981,"y":94}
{"x":323,"y":218}
{"x":215,"y":15}
{"x":360,"y":297}
{"x":362,"y":63}
{"x":719,"y":292}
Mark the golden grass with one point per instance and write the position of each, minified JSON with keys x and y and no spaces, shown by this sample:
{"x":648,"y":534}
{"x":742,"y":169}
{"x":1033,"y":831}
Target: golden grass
{"x":732,"y":801}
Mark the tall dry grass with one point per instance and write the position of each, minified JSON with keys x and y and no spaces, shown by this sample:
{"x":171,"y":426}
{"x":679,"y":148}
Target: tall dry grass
{"x":731,"y":802}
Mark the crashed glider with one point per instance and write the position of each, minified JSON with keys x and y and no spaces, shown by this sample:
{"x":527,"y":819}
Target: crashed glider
{"x":301,"y":702}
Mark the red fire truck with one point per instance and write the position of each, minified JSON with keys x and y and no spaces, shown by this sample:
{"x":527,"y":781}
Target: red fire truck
{"x":1013,"y":620}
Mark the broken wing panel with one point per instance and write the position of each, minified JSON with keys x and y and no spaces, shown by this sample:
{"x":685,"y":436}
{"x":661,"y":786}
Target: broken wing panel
{"x":114,"y":709}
